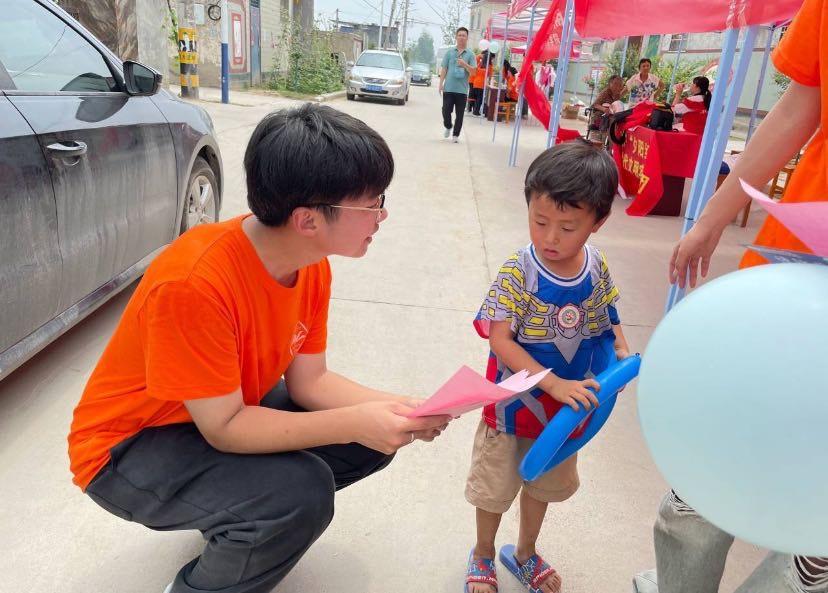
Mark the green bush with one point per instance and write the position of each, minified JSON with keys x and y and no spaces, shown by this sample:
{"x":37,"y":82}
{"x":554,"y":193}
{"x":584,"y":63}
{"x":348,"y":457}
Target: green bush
{"x":305,"y":62}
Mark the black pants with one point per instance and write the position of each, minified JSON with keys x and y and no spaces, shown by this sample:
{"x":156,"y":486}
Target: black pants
{"x":456,"y":102}
{"x":477,"y":94}
{"x":258,"y":513}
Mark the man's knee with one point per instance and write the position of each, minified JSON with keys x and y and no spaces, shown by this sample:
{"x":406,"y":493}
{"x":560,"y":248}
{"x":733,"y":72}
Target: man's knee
{"x":315,"y":501}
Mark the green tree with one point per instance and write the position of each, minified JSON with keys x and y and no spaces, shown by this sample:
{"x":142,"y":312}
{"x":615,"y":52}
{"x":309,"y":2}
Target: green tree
{"x":424,"y":49}
{"x":305,"y":61}
{"x":452,"y":17}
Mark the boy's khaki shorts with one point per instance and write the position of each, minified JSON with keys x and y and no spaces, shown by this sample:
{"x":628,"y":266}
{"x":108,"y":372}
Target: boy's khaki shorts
{"x":494,"y":480}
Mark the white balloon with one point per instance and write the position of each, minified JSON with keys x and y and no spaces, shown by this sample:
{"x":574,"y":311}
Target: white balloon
{"x":494,"y":47}
{"x":483,"y":45}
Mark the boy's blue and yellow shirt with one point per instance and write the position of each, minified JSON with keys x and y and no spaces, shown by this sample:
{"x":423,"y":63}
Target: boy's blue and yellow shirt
{"x":563,"y":323}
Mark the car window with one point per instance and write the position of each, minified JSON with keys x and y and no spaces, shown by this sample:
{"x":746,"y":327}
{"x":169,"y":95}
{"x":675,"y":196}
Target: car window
{"x":381,"y":61}
{"x":41,"y":53}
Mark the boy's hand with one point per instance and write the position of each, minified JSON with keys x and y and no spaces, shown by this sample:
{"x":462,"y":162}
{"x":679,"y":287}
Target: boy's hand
{"x":382,"y":425}
{"x":572,"y":393}
{"x":621,"y":353}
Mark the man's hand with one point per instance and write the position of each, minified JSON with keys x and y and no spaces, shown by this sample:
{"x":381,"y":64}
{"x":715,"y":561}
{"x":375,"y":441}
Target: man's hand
{"x":382,"y":425}
{"x":440,"y":87}
{"x":462,"y":63}
{"x":572,"y":393}
{"x":695,"y":248}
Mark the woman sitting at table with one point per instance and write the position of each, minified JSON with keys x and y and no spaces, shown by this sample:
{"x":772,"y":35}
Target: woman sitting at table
{"x":693,"y":108}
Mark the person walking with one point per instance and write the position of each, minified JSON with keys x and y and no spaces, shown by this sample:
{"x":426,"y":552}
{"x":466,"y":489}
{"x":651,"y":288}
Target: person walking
{"x":458,"y":67}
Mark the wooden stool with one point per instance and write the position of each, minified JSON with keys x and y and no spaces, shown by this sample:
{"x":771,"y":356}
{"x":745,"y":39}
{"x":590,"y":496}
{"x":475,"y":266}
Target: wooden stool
{"x":507,"y":110}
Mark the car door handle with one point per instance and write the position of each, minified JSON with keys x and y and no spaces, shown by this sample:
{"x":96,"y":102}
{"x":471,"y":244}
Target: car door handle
{"x":73,"y":148}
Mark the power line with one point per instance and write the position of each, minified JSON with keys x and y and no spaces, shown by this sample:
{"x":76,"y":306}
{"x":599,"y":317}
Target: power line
{"x":438,"y":13}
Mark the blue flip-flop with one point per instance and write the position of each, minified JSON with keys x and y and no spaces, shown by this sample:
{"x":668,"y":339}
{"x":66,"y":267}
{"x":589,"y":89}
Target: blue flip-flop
{"x":480,"y":571}
{"x":532,"y":574}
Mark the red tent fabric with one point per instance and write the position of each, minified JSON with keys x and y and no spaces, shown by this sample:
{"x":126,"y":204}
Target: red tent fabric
{"x":611,"y":19}
{"x":518,"y":6}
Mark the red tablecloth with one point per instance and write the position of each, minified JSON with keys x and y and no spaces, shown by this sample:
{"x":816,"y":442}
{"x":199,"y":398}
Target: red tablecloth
{"x":647,"y":156}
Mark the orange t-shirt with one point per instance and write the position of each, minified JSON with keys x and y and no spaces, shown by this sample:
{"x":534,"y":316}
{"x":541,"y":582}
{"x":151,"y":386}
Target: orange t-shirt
{"x":205,"y":320}
{"x":802,"y":55}
{"x":479,"y":80}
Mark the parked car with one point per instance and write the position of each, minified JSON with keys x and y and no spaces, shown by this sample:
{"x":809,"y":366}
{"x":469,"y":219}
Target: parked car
{"x":381,"y":74}
{"x":421,"y":74}
{"x":99,"y":169}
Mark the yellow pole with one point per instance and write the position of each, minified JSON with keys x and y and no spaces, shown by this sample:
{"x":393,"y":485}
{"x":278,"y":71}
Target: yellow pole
{"x":188,"y":59}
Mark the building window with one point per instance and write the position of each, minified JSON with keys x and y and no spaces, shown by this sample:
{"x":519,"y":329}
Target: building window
{"x":675,"y":42}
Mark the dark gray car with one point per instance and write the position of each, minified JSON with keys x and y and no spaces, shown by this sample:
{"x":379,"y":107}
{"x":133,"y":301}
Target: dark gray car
{"x":99,"y":170}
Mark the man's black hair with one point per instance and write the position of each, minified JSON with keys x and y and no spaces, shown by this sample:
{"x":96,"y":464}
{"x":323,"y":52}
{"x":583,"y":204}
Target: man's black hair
{"x":462,"y":29}
{"x":642,"y":60}
{"x":575,"y":174}
{"x":312,"y":155}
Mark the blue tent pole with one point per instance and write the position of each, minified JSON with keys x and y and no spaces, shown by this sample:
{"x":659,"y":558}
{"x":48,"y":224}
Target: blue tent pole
{"x":486,"y":78}
{"x":762,"y":72}
{"x":499,"y":77}
{"x":726,"y":125}
{"x":711,"y":129}
{"x":624,"y":56}
{"x":519,"y":116}
{"x":675,"y":68}
{"x":563,"y":68}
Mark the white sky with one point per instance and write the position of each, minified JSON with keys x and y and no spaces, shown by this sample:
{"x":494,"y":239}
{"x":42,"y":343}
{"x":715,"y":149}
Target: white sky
{"x":426,"y":12}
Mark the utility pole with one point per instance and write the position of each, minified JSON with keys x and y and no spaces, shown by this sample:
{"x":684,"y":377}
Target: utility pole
{"x":382,"y":9}
{"x":336,"y":28}
{"x":405,"y":25}
{"x":391,"y":20}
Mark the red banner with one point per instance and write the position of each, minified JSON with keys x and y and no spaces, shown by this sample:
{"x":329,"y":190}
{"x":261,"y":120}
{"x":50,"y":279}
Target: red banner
{"x":639,"y":162}
{"x":546,"y":45}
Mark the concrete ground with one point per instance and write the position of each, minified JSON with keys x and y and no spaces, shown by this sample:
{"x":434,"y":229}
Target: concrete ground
{"x":400,"y":320}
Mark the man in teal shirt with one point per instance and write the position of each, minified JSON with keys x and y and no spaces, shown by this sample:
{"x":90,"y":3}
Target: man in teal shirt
{"x":458,"y":65}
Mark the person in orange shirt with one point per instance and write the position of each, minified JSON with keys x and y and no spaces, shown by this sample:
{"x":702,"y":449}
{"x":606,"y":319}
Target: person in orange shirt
{"x":799,"y":117}
{"x":186,"y":422}
{"x":691,"y":552}
{"x":481,"y":75}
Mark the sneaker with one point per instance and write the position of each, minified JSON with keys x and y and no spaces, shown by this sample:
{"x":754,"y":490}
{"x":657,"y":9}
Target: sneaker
{"x":455,"y":139}
{"x":446,"y":132}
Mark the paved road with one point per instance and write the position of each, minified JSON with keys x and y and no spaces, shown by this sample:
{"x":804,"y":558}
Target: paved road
{"x":400,"y":320}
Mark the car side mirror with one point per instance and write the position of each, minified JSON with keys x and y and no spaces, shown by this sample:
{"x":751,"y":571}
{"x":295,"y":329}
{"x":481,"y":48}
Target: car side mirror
{"x":349,"y":63}
{"x":140,"y":80}
{"x":409,"y":70}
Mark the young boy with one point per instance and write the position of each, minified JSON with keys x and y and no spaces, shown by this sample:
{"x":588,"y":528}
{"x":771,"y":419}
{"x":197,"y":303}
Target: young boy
{"x":185,"y":422}
{"x":551,"y":306}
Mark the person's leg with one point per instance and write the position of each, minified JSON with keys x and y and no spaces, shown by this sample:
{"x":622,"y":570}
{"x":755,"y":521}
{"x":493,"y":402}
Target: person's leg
{"x":259,"y":513}
{"x":556,"y":485}
{"x":459,"y":110}
{"x":690,"y":552}
{"x":448,"y":105}
{"x":478,"y":100}
{"x":532,"y":513}
{"x":492,"y":486}
{"x":349,"y":463}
